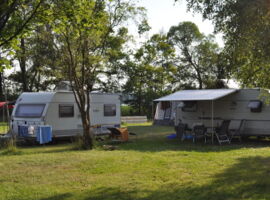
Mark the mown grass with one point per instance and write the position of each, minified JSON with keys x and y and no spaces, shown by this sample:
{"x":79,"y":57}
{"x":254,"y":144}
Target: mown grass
{"x":149,"y":167}
{"x":4,"y":127}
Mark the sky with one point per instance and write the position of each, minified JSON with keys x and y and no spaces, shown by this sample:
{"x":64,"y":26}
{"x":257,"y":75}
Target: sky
{"x":162,"y":14}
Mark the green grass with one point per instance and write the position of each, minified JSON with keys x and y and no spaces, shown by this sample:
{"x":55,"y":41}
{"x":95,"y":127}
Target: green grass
{"x":150,"y":167}
{"x":4,"y":127}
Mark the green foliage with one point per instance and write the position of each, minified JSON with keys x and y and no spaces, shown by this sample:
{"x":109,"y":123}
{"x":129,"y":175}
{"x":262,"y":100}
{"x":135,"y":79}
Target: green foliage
{"x":245,"y":25}
{"x":15,"y":17}
{"x":127,"y":110}
{"x":143,"y":27}
{"x":38,"y":60}
{"x":149,"y":73}
{"x":198,"y":56}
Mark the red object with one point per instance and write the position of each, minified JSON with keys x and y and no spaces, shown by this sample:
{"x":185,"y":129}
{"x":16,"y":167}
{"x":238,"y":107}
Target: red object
{"x":10,"y":104}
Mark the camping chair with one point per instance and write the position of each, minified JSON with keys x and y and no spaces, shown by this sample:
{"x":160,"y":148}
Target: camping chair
{"x":199,"y":131}
{"x":120,"y":134}
{"x":236,"y":133}
{"x":222,"y":132}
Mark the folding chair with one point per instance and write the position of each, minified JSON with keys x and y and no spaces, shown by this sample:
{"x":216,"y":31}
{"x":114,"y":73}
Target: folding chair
{"x":237,"y":133}
{"x":199,"y":131}
{"x":222,"y":132}
{"x":120,"y":134}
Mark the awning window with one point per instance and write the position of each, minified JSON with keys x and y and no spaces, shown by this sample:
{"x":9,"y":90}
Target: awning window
{"x":189,"y":106}
{"x":165,"y":105}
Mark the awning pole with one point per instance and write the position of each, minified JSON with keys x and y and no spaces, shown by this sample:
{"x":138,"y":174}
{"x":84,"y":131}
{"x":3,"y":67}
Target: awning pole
{"x":212,"y":122}
{"x":153,"y":112}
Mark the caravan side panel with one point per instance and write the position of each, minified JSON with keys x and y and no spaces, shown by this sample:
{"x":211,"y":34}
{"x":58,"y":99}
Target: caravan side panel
{"x":98,"y":103}
{"x":233,"y":107}
{"x":64,"y":125}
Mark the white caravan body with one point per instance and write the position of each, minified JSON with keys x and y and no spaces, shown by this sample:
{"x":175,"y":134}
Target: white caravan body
{"x":234,"y":105}
{"x":59,"y":110}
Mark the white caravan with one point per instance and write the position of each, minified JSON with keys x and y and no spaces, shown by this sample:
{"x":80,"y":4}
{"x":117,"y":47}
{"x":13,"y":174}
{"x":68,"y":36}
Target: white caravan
{"x":210,"y":107}
{"x":60,"y":111}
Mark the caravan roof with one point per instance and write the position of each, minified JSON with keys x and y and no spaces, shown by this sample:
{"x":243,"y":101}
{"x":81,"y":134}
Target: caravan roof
{"x":197,"y":95}
{"x":41,"y":97}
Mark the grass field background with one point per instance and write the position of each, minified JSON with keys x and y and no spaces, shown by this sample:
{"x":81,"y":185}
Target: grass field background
{"x":149,"y":167}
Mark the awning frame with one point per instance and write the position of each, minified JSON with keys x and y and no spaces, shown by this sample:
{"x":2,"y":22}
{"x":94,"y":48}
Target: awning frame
{"x":225,"y":93}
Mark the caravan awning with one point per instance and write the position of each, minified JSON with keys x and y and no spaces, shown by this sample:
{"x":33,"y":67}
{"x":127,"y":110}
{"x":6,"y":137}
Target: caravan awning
{"x":197,"y":95}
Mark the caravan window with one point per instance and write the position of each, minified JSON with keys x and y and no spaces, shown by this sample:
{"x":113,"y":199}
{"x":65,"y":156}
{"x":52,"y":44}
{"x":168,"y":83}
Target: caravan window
{"x":189,"y":106}
{"x":66,"y":110}
{"x":109,"y":110}
{"x":255,"y":106}
{"x":29,"y":110}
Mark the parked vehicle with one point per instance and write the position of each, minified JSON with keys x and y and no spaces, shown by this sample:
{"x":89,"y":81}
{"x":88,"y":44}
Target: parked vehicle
{"x":59,"y":110}
{"x":211,"y":107}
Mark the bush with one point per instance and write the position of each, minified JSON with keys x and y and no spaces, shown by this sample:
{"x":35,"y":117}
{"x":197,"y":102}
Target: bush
{"x":127,"y":110}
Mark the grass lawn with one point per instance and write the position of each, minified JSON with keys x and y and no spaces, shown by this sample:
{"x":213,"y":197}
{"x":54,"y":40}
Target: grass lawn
{"x":151,"y":167}
{"x":4,"y":127}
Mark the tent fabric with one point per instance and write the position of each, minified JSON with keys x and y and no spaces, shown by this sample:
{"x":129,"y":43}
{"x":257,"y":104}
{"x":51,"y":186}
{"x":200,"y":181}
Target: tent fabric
{"x":197,"y":95}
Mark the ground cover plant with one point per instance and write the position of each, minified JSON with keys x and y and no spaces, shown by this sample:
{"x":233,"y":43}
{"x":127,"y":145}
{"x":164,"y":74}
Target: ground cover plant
{"x":3,"y":127}
{"x":150,"y":166}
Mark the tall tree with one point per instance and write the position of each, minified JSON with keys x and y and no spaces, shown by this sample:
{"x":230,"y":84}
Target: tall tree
{"x":246,"y":28}
{"x":197,"y":55}
{"x":84,"y":29}
{"x":149,"y":72}
{"x":37,"y":57}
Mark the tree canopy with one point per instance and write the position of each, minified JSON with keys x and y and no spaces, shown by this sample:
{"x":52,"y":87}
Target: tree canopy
{"x":245,"y":25}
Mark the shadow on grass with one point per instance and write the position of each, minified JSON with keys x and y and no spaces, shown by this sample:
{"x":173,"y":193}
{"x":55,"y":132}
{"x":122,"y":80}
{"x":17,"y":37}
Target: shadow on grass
{"x":247,"y":179}
{"x":58,"y":197}
{"x":29,"y":150}
{"x":157,"y":143}
{"x":148,"y":139}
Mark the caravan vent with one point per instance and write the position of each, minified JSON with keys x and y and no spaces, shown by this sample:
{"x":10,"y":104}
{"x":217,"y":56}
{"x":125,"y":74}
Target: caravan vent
{"x":63,"y":86}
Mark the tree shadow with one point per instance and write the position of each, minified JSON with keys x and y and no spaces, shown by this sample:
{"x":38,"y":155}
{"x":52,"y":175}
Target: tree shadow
{"x":58,"y":197}
{"x":249,"y":178}
{"x":159,"y":143}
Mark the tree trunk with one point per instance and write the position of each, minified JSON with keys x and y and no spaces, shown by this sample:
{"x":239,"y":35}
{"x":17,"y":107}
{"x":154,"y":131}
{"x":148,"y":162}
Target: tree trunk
{"x":2,"y":98}
{"x":200,"y":83}
{"x":22,"y":62}
{"x":87,"y":138}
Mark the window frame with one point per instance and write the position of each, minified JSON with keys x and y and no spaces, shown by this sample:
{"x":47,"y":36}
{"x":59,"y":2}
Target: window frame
{"x":255,"y":109}
{"x":66,"y":105}
{"x":112,"y":115}
{"x":30,"y":104}
{"x":190,"y":106}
